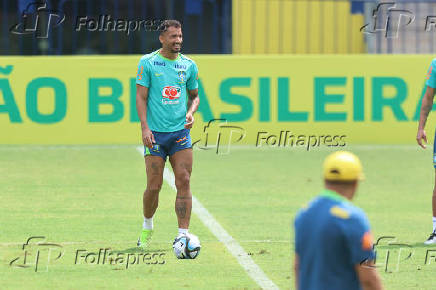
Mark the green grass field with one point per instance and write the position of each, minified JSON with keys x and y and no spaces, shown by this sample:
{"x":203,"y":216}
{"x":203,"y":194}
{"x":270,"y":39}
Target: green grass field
{"x":90,"y":197}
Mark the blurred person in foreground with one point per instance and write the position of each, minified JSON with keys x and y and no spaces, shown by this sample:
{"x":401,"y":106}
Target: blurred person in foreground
{"x":333,"y":243}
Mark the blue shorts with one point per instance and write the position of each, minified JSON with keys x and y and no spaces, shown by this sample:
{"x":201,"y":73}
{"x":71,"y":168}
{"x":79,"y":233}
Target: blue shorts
{"x":168,"y":143}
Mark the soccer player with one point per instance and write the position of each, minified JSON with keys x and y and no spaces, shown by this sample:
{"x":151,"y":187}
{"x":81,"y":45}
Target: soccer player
{"x":333,"y":243}
{"x":166,"y":100}
{"x":426,"y":106}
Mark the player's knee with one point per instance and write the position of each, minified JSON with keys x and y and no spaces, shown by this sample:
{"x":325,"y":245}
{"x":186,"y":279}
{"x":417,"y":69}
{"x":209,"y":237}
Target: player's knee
{"x":182,"y":182}
{"x":154,"y":187}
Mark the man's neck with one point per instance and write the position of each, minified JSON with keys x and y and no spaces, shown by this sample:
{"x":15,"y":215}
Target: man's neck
{"x":169,"y":54}
{"x":345,"y":192}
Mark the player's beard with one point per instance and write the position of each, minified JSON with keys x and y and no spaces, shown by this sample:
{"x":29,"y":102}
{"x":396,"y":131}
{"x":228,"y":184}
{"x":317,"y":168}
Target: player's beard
{"x":175,"y":49}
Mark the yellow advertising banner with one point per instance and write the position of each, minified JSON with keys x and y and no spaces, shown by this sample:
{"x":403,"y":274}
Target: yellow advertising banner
{"x":249,"y":100}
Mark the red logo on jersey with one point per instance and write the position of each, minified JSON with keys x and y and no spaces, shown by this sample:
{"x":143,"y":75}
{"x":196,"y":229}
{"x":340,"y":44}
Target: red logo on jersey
{"x":171,"y":92}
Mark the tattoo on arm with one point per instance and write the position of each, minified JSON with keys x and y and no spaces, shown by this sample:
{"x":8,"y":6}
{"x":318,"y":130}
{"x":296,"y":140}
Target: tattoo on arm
{"x":192,"y":95}
{"x":189,"y":103}
{"x":426,"y":109}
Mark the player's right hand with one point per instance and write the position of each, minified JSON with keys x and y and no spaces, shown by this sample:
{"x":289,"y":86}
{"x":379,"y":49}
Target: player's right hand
{"x":148,"y":138}
{"x":421,"y":136}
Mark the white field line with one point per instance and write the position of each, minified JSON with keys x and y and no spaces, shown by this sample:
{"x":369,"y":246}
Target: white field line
{"x":252,"y":269}
{"x":104,"y":243}
{"x":232,"y":147}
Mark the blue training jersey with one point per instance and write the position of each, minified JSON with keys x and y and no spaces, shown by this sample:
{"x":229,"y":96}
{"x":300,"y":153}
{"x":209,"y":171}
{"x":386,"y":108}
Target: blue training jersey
{"x":331,"y":237}
{"x":431,"y":75}
{"x":167,"y":81}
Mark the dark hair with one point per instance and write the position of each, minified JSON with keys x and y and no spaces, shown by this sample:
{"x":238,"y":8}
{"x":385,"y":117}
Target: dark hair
{"x":169,"y":23}
{"x":340,"y":182}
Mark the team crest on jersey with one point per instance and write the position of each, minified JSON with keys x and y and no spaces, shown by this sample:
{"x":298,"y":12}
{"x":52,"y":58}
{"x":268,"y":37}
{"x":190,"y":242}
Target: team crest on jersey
{"x":171,"y":95}
{"x":156,"y":148}
{"x":182,"y":76}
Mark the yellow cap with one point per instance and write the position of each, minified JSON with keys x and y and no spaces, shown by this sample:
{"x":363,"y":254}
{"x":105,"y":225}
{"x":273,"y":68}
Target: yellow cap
{"x":342,"y":166}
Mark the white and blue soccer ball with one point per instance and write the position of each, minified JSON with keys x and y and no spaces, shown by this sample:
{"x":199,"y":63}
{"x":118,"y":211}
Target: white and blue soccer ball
{"x":186,"y":246}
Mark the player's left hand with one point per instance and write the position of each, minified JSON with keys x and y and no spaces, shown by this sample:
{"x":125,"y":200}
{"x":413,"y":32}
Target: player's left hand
{"x":189,"y":121}
{"x":420,"y":137}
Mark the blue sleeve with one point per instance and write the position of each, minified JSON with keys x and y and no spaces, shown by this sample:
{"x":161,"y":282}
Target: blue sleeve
{"x":431,"y":75}
{"x":359,"y":239}
{"x":192,"y":82}
{"x":296,"y":232}
{"x":143,"y":74}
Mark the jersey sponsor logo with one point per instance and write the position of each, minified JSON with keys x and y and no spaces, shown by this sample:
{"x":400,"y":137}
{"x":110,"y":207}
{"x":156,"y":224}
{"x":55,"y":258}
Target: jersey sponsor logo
{"x":180,"y":66}
{"x":161,"y":63}
{"x":339,"y":212}
{"x":158,"y":74}
{"x":367,"y":241}
{"x":182,"y":76}
{"x":171,"y":94}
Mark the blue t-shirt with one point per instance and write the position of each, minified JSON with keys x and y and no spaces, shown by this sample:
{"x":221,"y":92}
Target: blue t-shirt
{"x":167,"y":81}
{"x":331,"y":237}
{"x":431,"y":75}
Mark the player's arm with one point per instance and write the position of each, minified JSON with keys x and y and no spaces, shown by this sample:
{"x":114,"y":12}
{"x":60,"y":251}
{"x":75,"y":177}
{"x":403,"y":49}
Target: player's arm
{"x":141,"y":108}
{"x":296,"y":269}
{"x":361,"y":248}
{"x":368,"y":276}
{"x":193,"y":103}
{"x":426,"y":106}
{"x":193,"y":99}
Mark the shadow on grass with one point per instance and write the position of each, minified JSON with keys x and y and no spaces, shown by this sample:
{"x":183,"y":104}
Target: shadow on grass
{"x":139,"y":250}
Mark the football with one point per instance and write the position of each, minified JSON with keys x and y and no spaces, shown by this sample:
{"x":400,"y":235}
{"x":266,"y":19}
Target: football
{"x":186,"y":246}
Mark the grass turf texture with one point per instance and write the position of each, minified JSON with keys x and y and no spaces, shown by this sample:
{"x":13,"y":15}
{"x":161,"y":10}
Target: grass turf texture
{"x":90,"y":197}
